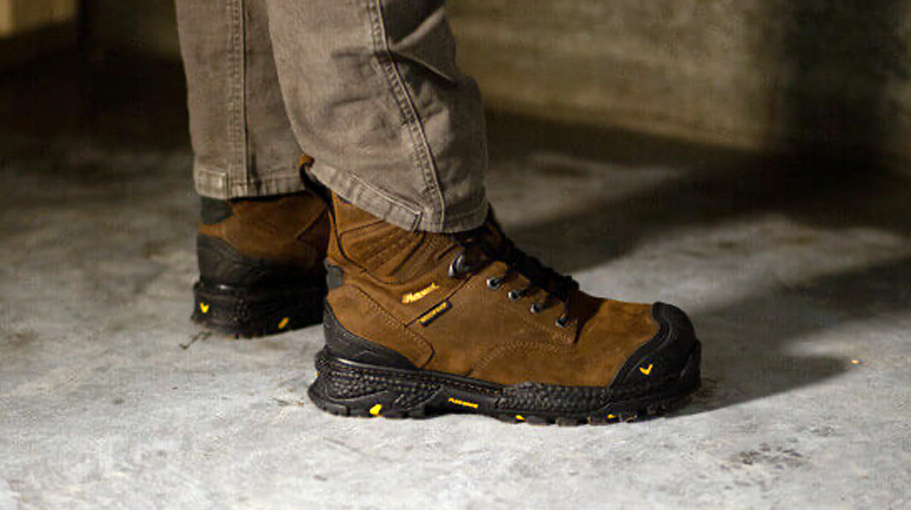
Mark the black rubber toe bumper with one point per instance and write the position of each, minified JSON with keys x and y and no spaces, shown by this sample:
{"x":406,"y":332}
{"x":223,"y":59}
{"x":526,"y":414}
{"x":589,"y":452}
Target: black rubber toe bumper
{"x":664,"y":356}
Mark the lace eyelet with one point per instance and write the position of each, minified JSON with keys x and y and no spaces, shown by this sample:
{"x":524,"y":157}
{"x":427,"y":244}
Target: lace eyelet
{"x":494,"y":283}
{"x":562,"y":321}
{"x":535,"y":309}
{"x":455,"y":268}
{"x":514,"y":295}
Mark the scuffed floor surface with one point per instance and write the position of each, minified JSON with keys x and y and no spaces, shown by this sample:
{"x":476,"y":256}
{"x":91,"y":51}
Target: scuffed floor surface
{"x":110,"y":398}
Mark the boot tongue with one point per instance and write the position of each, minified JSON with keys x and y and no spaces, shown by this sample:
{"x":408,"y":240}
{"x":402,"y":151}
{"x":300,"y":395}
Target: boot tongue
{"x":481,"y":245}
{"x":490,"y":242}
{"x":489,"y":236}
{"x":492,"y":235}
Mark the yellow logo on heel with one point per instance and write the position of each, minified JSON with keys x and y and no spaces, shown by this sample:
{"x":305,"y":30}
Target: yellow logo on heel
{"x":646,"y":371}
{"x":204,"y":308}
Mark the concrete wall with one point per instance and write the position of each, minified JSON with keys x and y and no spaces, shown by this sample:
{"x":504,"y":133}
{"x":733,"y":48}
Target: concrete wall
{"x":30,"y":29}
{"x":756,"y":74}
{"x":749,"y":73}
{"x":135,"y":25}
{"x":20,"y":16}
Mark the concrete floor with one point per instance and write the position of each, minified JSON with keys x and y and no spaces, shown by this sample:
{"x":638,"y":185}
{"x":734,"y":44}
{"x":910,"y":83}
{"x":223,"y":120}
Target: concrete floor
{"x":799,"y":285}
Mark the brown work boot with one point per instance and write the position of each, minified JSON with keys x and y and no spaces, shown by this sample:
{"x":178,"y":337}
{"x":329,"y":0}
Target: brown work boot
{"x":261,"y":264}
{"x":419,"y":323}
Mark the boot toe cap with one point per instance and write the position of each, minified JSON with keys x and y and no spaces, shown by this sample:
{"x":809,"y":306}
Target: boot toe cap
{"x":665,"y":355}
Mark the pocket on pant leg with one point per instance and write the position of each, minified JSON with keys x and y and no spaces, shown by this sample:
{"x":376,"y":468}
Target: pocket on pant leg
{"x":427,"y":43}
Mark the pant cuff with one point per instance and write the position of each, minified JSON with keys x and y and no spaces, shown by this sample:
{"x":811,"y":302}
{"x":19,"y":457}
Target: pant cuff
{"x":214,"y":183}
{"x":393,"y":210}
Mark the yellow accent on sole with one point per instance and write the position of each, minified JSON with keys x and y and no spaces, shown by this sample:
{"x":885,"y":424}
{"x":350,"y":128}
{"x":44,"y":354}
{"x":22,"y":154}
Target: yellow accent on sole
{"x":375,"y":410}
{"x":204,"y":308}
{"x":646,"y":371}
{"x":610,"y":417}
{"x":520,"y":417}
{"x":283,"y":323}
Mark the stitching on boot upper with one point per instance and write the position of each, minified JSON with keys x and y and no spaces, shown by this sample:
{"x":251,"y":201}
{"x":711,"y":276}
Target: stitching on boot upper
{"x":418,"y":340}
{"x":500,"y":350}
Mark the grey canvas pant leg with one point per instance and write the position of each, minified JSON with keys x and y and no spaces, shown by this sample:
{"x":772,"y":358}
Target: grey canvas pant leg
{"x":372,"y":92}
{"x":241,"y":134}
{"x":375,"y":96}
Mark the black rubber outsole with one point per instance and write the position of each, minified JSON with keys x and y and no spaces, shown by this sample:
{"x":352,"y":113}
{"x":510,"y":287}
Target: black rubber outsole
{"x":348,"y":388}
{"x":256,"y":312}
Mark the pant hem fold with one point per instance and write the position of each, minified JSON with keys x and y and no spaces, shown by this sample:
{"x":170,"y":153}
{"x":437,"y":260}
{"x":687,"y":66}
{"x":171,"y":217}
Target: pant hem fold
{"x":214,"y":183}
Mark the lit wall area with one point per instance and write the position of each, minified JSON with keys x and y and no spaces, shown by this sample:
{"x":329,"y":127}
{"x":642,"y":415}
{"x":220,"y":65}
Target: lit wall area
{"x":29,"y":28}
{"x":752,"y":74}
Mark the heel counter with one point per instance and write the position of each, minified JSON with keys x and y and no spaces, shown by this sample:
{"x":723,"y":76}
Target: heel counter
{"x":213,"y":211}
{"x":220,"y":263}
{"x":213,"y":256}
{"x":355,"y":315}
{"x":347,"y":345}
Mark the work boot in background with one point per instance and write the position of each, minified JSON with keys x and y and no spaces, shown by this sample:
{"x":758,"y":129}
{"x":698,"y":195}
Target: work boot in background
{"x":418,"y":323}
{"x":261,"y":264}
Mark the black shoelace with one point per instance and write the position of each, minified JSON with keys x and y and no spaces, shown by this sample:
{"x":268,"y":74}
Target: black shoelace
{"x":477,"y":253}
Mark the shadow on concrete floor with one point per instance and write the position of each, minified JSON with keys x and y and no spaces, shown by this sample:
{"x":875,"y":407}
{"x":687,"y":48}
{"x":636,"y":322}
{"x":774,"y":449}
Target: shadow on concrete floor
{"x":750,"y":340}
{"x":752,"y":337}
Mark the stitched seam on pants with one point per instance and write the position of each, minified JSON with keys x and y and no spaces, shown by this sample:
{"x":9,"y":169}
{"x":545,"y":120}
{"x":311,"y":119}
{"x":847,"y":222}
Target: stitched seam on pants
{"x":457,"y":218}
{"x":406,"y":104}
{"x":468,"y":213}
{"x":237,"y":136}
{"x":267,"y":186}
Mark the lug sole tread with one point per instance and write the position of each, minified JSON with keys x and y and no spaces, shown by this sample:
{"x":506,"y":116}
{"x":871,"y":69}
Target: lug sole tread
{"x":351,"y":389}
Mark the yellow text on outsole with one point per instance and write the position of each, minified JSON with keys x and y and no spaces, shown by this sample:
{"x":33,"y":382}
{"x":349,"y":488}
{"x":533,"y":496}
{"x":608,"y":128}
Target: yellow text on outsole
{"x":375,"y":410}
{"x":462,"y":403}
{"x":283,"y":323}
